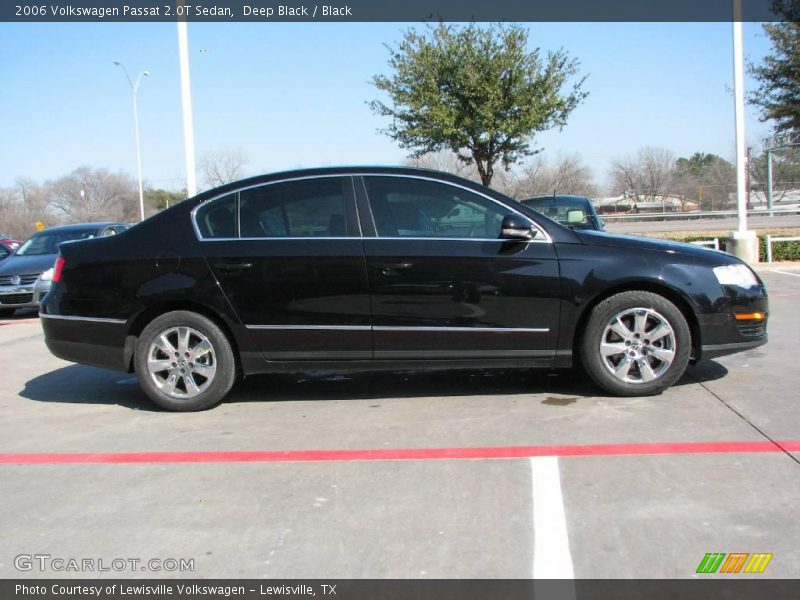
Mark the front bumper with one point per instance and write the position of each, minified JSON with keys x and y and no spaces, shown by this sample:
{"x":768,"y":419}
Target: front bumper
{"x":24,"y":295}
{"x":722,"y":334}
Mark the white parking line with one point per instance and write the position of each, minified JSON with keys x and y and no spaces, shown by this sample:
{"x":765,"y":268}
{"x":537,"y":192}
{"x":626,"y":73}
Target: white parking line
{"x":551,"y":556}
{"x":785,"y":272}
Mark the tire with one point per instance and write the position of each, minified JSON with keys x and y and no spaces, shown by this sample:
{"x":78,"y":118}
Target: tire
{"x":181,"y":373}
{"x":7,"y":312}
{"x":617,"y":350}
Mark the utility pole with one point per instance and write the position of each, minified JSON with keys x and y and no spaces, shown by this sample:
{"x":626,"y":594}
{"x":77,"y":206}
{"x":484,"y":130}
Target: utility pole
{"x":186,"y":102}
{"x":742,"y":242}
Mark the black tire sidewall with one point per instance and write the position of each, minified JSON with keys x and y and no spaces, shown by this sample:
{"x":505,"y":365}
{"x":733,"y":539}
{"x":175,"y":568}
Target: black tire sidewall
{"x":599,"y":319}
{"x":226,"y":364}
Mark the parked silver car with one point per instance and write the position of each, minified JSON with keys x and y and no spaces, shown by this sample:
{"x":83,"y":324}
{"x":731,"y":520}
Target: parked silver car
{"x":25,"y":275}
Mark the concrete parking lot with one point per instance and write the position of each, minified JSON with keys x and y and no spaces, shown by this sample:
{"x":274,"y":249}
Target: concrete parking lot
{"x":712,"y":465}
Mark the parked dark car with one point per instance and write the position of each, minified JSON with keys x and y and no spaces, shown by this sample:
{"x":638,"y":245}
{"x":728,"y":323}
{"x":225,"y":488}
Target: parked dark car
{"x":25,"y":276}
{"x":348,"y":269}
{"x":576,"y":212}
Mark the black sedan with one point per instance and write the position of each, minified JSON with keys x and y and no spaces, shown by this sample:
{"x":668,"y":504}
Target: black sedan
{"x":346,"y":269}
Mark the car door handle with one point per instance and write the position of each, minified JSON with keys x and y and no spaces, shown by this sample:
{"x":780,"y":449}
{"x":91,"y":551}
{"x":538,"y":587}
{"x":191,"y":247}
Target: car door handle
{"x":393,"y":265}
{"x":229,"y":267}
{"x":391,"y":268}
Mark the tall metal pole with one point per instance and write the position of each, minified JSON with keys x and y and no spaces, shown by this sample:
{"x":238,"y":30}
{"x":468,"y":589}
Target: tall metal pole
{"x":738,"y":92}
{"x":134,"y":89}
{"x":186,"y":100}
{"x":138,"y":155}
{"x":769,"y":180}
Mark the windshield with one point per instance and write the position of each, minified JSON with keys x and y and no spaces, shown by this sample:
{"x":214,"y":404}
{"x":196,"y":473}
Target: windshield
{"x":47,"y":242}
{"x":558,"y":207}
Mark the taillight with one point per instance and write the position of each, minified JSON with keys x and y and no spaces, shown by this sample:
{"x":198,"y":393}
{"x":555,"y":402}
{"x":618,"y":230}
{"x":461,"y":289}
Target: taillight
{"x":57,"y":269}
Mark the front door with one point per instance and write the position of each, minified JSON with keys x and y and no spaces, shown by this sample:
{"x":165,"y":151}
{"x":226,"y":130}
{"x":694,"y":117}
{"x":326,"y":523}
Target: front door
{"x":445,"y":286}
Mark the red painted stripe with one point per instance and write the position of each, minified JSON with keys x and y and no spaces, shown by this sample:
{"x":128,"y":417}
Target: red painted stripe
{"x":402,"y":454}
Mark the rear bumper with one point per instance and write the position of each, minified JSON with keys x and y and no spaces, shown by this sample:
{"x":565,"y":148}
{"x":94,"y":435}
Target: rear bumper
{"x":88,"y":341}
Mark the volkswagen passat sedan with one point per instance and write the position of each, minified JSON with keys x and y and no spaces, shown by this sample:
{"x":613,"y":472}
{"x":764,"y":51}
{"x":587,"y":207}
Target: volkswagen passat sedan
{"x":343,"y":269}
{"x":25,"y":276}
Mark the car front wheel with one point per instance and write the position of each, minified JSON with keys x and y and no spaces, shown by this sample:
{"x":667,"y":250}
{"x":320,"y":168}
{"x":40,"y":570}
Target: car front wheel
{"x":636,"y":344}
{"x":184,"y":362}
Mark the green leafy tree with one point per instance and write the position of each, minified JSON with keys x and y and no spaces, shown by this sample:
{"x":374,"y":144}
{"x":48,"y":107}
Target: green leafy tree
{"x":477,"y":92}
{"x":159,"y":199}
{"x":778,"y":92}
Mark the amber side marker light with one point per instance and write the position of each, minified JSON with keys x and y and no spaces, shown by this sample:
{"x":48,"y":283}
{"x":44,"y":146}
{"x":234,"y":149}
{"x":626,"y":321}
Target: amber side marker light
{"x":757,"y":316}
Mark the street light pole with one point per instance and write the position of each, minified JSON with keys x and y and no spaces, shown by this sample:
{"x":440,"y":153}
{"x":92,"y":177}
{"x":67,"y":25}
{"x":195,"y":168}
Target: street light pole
{"x":742,"y":242}
{"x":134,"y":88}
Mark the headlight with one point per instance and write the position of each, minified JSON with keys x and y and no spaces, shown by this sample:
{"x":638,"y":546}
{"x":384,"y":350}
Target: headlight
{"x":47,"y":275}
{"x":740,"y":275}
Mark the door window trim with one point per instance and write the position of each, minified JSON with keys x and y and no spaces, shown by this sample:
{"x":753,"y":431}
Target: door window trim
{"x":354,"y":206}
{"x":546,"y":236}
{"x":350,"y":206}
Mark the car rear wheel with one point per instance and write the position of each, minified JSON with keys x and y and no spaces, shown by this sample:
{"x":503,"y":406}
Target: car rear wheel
{"x":184,"y":362}
{"x":636,"y":344}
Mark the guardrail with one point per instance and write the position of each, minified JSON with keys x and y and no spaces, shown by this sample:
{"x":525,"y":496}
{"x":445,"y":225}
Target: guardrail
{"x":771,"y":240}
{"x":708,"y":214}
{"x":712,"y":243}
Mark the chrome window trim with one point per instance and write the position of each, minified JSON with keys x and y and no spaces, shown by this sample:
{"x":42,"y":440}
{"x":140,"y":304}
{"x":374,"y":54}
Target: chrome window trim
{"x":90,"y":319}
{"x":400,"y":328}
{"x":547,"y":239}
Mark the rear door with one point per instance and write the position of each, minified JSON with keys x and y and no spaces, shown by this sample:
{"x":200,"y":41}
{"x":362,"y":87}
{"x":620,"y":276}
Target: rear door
{"x":444,"y":285}
{"x":289,"y":257}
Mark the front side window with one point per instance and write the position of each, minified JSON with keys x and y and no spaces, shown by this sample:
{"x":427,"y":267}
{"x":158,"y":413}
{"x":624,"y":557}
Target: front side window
{"x":408,"y":207}
{"x":304,"y":208}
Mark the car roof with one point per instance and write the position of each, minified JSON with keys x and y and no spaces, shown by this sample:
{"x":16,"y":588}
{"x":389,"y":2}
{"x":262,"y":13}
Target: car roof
{"x":346,"y":170}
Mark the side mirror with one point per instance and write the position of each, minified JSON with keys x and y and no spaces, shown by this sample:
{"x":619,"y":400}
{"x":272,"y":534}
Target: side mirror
{"x":575,"y":216}
{"x":515,"y":227}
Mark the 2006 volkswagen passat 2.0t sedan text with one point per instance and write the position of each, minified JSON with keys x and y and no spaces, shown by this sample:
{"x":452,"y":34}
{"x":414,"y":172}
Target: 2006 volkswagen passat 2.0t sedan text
{"x":345,"y":269}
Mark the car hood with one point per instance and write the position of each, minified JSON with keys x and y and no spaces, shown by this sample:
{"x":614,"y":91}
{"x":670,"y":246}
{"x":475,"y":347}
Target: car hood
{"x":603,"y":238}
{"x":18,"y":265}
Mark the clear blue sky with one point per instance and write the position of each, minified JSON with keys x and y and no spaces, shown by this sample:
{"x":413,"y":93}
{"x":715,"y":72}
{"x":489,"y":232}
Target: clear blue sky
{"x":294,"y":95}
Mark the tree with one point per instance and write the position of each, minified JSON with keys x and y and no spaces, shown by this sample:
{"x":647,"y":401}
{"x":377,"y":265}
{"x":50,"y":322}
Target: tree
{"x":223,"y":166}
{"x":778,"y":92}
{"x":705,"y":179}
{"x":158,"y":199}
{"x":477,"y":92}
{"x":645,"y":176}
{"x":444,"y":161}
{"x":567,"y":175}
{"x":89,"y":194}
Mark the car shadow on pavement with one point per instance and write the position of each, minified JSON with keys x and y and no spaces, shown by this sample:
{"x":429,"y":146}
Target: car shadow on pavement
{"x":78,"y":384}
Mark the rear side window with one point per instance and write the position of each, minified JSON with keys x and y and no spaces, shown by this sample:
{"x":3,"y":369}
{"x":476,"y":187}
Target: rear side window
{"x":304,"y":208}
{"x":217,"y":219}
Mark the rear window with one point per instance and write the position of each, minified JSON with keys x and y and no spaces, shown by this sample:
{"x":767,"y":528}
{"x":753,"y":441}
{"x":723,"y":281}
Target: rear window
{"x":217,"y":219}
{"x":47,"y":242}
